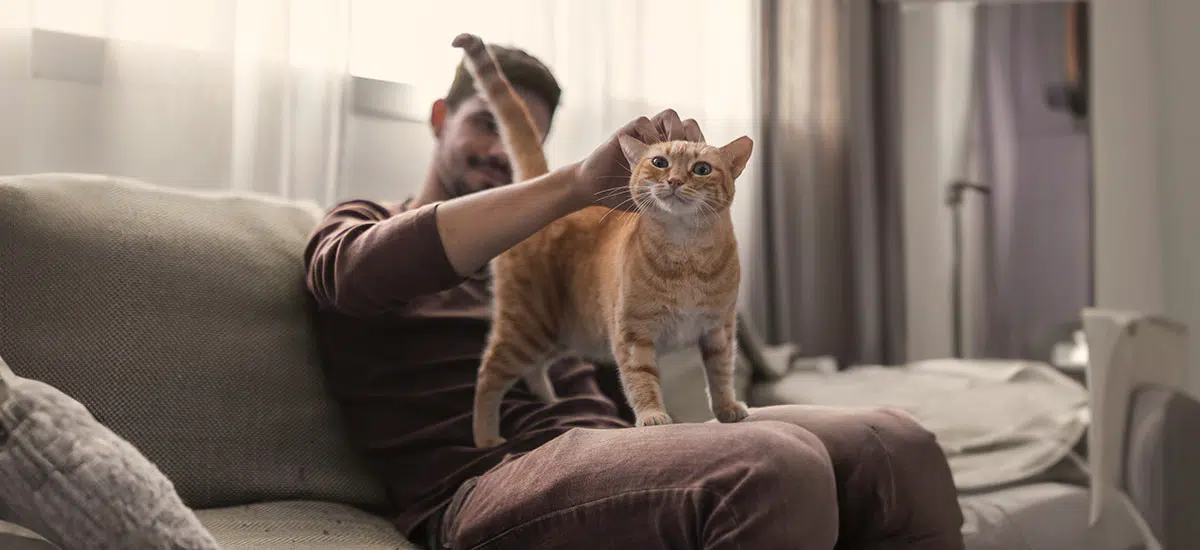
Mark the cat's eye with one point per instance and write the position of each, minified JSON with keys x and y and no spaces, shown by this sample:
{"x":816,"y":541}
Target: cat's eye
{"x":702,"y":169}
{"x":660,"y":162}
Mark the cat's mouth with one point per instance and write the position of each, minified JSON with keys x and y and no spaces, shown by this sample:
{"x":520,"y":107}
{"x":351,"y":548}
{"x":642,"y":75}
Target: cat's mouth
{"x":673,"y":198}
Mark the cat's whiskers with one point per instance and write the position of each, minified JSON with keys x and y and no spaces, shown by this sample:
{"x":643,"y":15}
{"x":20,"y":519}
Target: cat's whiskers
{"x":696,"y":198}
{"x":641,"y":205}
{"x":710,"y":213}
{"x":611,"y":192}
{"x":641,"y":209}
{"x":614,"y":209}
{"x":625,"y":168}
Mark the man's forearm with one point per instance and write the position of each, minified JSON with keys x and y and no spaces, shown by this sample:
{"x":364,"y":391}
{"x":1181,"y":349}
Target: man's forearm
{"x":478,"y":227}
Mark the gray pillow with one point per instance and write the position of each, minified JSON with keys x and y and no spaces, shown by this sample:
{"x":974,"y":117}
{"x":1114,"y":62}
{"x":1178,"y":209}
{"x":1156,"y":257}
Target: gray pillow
{"x":78,"y":484}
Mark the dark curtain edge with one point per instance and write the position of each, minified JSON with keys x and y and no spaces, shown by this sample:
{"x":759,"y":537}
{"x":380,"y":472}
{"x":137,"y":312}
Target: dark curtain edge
{"x":769,"y":63}
{"x":872,"y":109}
{"x":886,"y":70}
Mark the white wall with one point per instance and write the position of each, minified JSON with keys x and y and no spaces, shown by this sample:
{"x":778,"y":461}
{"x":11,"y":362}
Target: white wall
{"x":1125,"y":145}
{"x":1175,"y":24}
{"x":385,"y":159}
{"x":1148,"y":160}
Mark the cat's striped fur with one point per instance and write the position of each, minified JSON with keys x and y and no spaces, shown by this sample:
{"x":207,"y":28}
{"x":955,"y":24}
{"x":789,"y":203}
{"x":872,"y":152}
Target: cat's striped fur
{"x":600,"y":285}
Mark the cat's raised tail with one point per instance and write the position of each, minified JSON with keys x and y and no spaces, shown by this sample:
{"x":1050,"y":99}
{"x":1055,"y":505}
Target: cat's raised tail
{"x":521,"y":136}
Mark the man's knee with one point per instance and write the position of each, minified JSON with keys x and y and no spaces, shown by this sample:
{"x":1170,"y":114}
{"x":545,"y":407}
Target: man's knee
{"x":919,"y":474}
{"x":907,"y":450}
{"x":902,"y":434}
{"x":785,"y":491}
{"x":769,"y":451}
{"x":782,"y":439}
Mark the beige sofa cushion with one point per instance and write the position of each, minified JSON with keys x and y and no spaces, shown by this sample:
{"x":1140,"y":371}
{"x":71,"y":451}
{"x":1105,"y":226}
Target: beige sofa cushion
{"x":180,"y":320}
{"x":301,"y":525}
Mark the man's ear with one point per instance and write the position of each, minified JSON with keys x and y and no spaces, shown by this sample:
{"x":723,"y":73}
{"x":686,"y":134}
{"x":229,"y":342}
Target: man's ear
{"x":437,"y":117}
{"x":737,"y":154}
{"x":633,"y":148}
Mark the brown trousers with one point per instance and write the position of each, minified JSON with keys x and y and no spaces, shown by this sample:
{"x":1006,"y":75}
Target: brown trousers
{"x":787,"y":478}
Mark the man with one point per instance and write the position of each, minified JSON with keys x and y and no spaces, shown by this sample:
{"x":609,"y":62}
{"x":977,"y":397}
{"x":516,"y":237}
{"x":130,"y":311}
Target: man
{"x":403,"y":317}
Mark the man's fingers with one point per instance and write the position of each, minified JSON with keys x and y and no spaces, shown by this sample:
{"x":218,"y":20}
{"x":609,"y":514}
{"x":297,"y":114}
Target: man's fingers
{"x":665,"y":126}
{"x":645,"y":131}
{"x":691,"y":131}
{"x":669,"y":126}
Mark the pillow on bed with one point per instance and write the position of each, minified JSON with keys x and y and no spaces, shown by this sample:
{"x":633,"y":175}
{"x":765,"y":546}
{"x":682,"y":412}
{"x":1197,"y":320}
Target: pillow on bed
{"x":78,"y":484}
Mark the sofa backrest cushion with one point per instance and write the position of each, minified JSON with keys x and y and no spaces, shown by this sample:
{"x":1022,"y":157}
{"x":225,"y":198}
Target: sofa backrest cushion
{"x":180,"y":320}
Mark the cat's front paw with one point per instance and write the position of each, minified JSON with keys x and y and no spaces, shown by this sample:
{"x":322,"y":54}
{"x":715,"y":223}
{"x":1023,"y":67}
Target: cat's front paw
{"x":466,"y":41}
{"x":654,"y":419}
{"x":489,"y":442}
{"x":735,"y":412}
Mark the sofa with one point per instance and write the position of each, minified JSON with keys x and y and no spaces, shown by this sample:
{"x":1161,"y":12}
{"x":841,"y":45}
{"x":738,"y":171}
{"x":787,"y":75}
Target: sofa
{"x":180,"y":320}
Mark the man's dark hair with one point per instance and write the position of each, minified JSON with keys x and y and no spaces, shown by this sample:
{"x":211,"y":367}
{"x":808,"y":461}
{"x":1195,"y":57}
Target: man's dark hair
{"x":524,"y":71}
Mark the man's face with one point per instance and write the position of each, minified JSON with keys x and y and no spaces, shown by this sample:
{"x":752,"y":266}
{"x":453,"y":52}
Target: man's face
{"x":469,"y":154}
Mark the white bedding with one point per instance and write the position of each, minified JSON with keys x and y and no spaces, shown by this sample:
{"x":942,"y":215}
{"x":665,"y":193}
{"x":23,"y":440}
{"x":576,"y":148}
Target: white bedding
{"x":1000,"y":422}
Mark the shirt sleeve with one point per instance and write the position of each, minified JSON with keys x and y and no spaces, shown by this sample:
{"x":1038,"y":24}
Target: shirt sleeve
{"x":364,"y":258}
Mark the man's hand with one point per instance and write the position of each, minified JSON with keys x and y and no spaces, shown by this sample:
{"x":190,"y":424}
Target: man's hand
{"x":603,"y":177}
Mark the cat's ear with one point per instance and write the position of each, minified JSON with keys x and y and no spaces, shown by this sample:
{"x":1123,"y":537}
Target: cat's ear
{"x":737,"y":154}
{"x":633,"y":148}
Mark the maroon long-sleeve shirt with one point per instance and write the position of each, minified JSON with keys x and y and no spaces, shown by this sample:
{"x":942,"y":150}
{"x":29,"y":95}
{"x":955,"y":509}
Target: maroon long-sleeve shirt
{"x":402,"y":336}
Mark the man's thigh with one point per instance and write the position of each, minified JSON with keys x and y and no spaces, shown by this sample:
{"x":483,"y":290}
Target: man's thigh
{"x":675,"y":486}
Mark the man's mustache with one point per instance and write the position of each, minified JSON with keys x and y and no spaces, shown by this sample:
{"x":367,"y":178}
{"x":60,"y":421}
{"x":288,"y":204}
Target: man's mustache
{"x":499,"y":164}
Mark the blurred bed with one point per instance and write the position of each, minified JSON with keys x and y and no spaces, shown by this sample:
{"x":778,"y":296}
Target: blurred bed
{"x":1022,"y":437}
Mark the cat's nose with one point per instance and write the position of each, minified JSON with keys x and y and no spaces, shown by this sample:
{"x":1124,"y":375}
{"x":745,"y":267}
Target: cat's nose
{"x":674,"y":182}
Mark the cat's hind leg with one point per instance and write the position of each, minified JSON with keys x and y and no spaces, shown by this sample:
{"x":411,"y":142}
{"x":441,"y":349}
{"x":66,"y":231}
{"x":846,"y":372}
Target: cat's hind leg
{"x":510,"y":355}
{"x":491,"y":383}
{"x":538,"y":381}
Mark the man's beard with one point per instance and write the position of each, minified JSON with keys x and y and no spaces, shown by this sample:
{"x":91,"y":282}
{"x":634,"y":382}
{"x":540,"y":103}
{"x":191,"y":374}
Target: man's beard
{"x":458,"y":185}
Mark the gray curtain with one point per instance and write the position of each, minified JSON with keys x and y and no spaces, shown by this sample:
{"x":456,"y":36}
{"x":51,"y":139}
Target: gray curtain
{"x":1037,"y":161}
{"x":832,"y":268}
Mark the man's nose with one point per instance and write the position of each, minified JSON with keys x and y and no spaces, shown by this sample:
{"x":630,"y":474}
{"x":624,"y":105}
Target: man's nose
{"x":497,"y":150}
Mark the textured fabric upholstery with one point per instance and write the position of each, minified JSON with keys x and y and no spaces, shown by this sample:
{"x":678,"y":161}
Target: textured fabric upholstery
{"x":79,"y":484}
{"x":1160,"y":474}
{"x":299,"y":525}
{"x":16,"y":537}
{"x":179,"y":320}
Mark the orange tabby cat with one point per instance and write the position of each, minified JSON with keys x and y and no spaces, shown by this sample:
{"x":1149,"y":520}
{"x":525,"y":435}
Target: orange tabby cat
{"x":628,"y":286}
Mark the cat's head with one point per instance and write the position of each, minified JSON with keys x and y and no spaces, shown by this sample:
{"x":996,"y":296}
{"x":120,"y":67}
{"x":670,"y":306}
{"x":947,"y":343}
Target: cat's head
{"x":683,"y":178}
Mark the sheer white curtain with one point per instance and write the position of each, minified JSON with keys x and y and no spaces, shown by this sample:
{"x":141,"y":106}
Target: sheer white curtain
{"x":616,"y":59}
{"x":255,"y":94}
{"x":198,"y":93}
